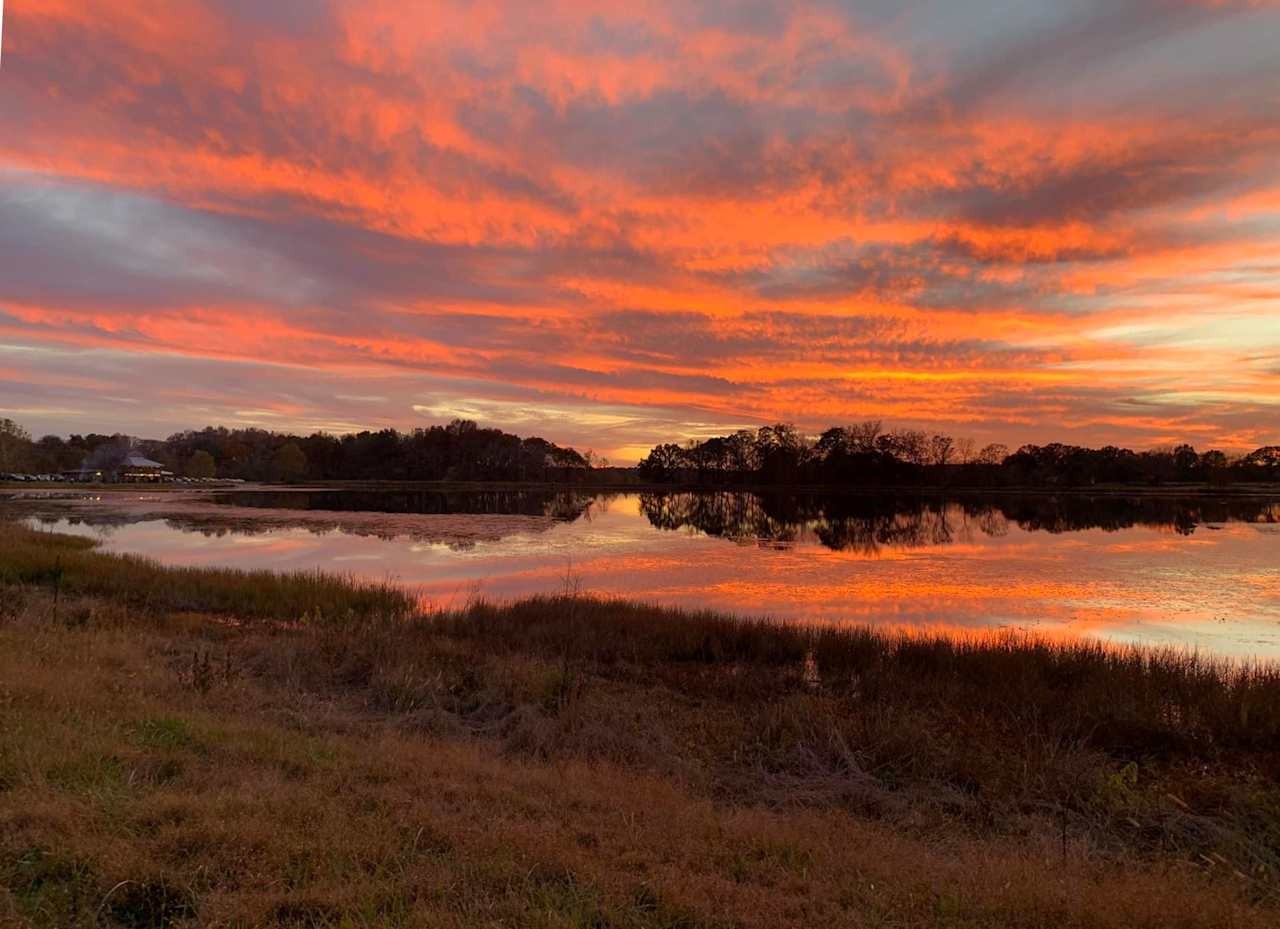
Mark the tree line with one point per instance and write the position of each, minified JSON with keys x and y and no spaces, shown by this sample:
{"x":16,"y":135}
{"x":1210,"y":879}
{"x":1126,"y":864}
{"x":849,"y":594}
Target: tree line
{"x":861,"y":454}
{"x":460,"y":450}
{"x":869,"y":454}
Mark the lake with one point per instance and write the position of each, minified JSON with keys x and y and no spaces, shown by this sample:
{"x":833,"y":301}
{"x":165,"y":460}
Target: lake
{"x":1201,"y":572}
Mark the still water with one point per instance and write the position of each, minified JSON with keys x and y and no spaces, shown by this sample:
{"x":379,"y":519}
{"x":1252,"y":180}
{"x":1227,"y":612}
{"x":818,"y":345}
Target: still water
{"x":1198,"y":572}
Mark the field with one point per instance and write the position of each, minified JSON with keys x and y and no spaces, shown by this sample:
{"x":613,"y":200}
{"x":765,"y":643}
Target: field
{"x":219,"y":748}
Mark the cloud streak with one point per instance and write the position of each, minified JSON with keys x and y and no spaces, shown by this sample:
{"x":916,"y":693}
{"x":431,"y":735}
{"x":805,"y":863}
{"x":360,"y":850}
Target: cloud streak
{"x":663,"y":218}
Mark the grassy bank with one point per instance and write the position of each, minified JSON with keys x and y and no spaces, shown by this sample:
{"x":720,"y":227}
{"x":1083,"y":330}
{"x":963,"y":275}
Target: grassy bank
{"x":70,"y":565}
{"x":336,"y":758}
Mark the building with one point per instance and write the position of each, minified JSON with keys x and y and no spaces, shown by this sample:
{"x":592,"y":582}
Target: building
{"x":134,"y":468}
{"x":130,"y":469}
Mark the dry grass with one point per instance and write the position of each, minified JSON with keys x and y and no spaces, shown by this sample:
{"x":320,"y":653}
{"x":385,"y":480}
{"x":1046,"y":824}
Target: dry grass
{"x":1158,"y":754}
{"x":574,"y":763}
{"x":70,"y":565}
{"x":1135,"y":698}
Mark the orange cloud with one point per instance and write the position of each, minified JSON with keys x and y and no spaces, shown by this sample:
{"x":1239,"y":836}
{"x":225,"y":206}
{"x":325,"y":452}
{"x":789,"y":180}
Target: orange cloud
{"x":709,"y":214}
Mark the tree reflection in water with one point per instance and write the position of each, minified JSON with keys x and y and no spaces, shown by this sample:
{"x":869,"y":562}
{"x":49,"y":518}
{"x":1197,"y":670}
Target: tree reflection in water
{"x":842,"y":522}
{"x":867,"y":524}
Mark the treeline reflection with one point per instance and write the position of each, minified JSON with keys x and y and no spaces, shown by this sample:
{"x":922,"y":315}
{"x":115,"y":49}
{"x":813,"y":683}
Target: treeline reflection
{"x":384,"y":515}
{"x":556,"y":504}
{"x":842,"y":522}
{"x":868,"y":524}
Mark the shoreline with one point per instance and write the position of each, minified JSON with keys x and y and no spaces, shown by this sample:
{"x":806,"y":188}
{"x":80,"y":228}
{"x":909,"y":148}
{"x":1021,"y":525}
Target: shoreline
{"x":1254,"y":490}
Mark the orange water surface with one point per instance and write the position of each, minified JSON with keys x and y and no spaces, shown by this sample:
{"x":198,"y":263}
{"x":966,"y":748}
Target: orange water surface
{"x":1190,"y":573}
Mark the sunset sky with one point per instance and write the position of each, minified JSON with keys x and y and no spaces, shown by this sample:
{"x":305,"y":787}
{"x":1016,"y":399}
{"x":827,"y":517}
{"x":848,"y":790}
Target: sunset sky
{"x":613,"y":224}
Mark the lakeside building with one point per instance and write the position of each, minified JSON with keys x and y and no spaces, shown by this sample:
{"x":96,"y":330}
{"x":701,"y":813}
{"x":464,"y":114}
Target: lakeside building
{"x":131,"y":469}
{"x":135,"y":468}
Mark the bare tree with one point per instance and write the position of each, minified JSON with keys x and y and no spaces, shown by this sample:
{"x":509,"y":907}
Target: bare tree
{"x":939,"y":449}
{"x":993,"y":454}
{"x":863,"y":436}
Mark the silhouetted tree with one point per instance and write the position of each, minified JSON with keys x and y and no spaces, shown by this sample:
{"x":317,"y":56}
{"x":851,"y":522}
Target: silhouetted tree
{"x":993,"y":454}
{"x":939,"y":450}
{"x":663,"y":463}
{"x":15,"y":443}
{"x":867,"y":454}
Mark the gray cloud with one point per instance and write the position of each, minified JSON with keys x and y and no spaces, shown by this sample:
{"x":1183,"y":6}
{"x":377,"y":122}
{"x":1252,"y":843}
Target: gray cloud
{"x":595,"y":160}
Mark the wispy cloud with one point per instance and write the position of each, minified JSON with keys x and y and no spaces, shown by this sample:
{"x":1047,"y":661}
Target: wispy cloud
{"x":611,"y":224}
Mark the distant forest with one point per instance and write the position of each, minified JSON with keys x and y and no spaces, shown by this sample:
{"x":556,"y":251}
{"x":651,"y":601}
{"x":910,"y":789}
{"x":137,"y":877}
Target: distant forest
{"x":459,"y":451}
{"x":860,"y":455}
{"x":867,"y":454}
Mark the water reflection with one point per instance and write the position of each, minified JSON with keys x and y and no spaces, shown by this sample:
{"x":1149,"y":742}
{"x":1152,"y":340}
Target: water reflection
{"x":553,"y":504}
{"x":457,"y":519}
{"x":1187,"y":571}
{"x":842,"y":522}
{"x":867,"y":524}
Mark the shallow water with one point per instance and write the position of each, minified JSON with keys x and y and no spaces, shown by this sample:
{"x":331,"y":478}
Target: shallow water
{"x":1197,"y":572}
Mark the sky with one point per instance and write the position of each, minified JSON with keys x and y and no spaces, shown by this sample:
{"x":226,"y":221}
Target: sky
{"x":615,"y":224}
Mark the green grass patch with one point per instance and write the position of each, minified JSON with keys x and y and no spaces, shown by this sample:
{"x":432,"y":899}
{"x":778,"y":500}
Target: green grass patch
{"x":92,"y":772}
{"x":165,"y":734}
{"x":51,"y":889}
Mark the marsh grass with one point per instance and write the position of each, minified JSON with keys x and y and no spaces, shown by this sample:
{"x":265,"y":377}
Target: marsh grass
{"x":70,"y":566}
{"x":576,"y":761}
{"x":1160,"y":752}
{"x":1126,"y":697}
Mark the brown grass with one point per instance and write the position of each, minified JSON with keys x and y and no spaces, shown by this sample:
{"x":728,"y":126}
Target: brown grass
{"x":565,"y":762}
{"x":1133,"y":697}
{"x":70,"y":565}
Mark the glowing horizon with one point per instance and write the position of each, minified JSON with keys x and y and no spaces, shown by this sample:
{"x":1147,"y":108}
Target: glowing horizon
{"x":614,"y":227}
